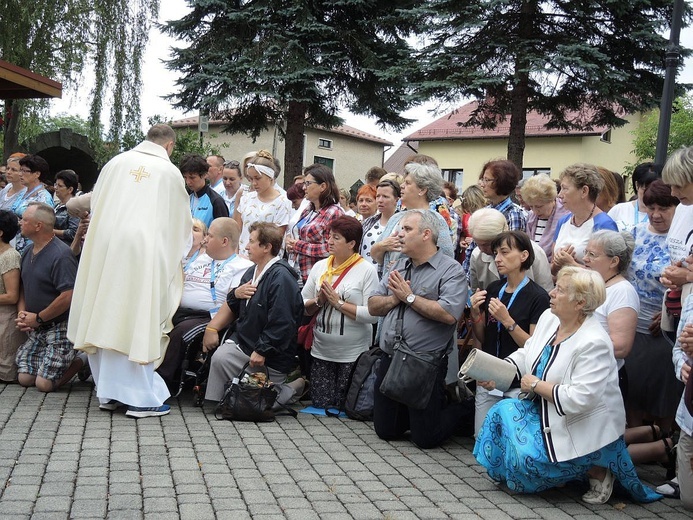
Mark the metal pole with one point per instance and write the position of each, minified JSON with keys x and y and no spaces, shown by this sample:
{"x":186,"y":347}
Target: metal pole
{"x":672,"y":61}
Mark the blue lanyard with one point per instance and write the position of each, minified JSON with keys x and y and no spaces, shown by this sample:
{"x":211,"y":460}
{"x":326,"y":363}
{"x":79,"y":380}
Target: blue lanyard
{"x":192,"y":259}
{"x":213,"y":277}
{"x":637,"y":214}
{"x":524,"y":282}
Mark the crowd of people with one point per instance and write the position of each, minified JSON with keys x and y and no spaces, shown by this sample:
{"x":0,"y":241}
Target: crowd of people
{"x":585,"y":293}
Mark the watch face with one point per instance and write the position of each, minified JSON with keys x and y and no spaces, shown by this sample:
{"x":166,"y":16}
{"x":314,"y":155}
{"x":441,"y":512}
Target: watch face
{"x":410,"y":298}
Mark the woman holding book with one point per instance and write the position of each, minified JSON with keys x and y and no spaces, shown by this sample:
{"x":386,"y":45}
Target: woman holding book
{"x":570,"y":421}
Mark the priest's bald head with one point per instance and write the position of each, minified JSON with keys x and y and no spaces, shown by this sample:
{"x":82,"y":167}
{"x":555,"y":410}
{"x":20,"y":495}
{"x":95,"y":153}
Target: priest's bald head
{"x":164,"y":136}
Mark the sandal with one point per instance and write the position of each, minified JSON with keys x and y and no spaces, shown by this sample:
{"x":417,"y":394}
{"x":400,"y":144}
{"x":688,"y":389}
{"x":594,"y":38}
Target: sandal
{"x":670,"y":464}
{"x":656,"y":433}
{"x":670,"y":489}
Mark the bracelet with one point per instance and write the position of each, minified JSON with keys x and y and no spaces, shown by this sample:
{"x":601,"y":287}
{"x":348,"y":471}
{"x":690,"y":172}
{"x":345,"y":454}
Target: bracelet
{"x":212,"y":329}
{"x":477,"y":320}
{"x":317,"y":303}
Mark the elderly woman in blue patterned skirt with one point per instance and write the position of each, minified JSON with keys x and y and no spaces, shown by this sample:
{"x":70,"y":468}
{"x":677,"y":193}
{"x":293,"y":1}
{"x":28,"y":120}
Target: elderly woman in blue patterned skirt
{"x":571,"y":423}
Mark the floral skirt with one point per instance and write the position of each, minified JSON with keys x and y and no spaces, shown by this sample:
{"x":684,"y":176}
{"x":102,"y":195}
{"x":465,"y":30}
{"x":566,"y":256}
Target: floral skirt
{"x":511,"y":448}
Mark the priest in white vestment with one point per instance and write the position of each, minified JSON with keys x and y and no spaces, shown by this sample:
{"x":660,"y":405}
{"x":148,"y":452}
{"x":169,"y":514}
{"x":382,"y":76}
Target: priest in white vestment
{"x":130,"y":281}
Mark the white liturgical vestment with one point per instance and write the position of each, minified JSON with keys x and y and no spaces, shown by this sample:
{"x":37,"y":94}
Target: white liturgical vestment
{"x":130,"y":281}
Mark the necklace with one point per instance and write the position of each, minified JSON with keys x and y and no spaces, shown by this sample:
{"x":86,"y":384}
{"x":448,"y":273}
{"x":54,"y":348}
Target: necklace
{"x":588,"y":217}
{"x":609,"y":279}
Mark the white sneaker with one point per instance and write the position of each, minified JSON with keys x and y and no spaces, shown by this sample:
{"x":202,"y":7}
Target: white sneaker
{"x":600,"y":490}
{"x":139,"y":413}
{"x":110,"y":406}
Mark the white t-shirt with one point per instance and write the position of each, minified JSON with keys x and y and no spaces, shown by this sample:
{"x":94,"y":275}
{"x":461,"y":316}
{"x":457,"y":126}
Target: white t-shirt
{"x":251,"y":209}
{"x":337,"y":337}
{"x":571,"y":235}
{"x":197,"y":291}
{"x":619,"y":296}
{"x":577,"y":237}
{"x":680,"y":236}
{"x":624,"y":214}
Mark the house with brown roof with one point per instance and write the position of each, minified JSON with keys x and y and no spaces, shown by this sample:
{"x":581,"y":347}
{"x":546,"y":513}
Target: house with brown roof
{"x":461,"y":151}
{"x":349,"y":151}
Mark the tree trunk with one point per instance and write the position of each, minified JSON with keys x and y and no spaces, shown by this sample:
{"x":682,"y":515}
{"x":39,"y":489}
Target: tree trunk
{"x":11,"y":138}
{"x":518,"y":120}
{"x":520,"y":93}
{"x":293,"y":152}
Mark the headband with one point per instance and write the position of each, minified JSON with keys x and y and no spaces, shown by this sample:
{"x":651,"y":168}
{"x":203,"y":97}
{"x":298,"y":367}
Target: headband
{"x":265,"y":170}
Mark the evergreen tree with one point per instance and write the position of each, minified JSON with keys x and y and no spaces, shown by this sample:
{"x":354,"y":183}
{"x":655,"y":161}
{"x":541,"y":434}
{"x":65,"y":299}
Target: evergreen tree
{"x":553,"y":56}
{"x":258,"y":63}
{"x":59,"y":38}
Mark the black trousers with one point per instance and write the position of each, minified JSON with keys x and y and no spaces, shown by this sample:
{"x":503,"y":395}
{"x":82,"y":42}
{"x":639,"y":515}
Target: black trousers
{"x":429,"y":427}
{"x":170,"y":368}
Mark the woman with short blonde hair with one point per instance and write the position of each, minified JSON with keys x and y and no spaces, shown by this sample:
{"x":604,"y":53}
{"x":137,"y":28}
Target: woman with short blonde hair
{"x":570,"y":423}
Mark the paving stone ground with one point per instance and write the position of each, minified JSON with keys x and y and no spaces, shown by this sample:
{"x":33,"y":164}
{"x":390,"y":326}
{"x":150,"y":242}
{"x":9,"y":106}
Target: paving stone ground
{"x":61,"y":457}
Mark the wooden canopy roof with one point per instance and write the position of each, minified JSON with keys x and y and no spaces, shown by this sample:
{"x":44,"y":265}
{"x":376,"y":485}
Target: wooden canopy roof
{"x":19,"y":83}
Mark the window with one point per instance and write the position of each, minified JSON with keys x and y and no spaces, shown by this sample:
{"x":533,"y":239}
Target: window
{"x":531,"y":172}
{"x":324,"y":160}
{"x":455,"y":176}
{"x":325,"y":143}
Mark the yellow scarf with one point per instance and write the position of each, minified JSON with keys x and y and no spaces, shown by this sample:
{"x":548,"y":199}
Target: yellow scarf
{"x":336,"y":271}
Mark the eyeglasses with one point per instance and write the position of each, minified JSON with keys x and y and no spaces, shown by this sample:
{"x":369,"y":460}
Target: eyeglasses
{"x":25,"y":170}
{"x":484,"y":180}
{"x":592,"y":255}
{"x":308,"y":183}
{"x":231,"y":164}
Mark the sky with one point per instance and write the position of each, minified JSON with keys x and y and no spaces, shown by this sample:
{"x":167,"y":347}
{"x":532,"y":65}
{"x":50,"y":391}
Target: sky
{"x":159,"y":82}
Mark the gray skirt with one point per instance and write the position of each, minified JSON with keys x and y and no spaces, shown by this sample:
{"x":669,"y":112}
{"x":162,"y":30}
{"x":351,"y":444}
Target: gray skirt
{"x":652,"y":384}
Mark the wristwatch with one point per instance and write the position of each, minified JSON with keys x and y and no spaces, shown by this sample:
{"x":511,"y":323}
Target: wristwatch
{"x":512,"y":327}
{"x":39,"y":320}
{"x":411,"y":298}
{"x":340,"y":303}
{"x":534,"y":385}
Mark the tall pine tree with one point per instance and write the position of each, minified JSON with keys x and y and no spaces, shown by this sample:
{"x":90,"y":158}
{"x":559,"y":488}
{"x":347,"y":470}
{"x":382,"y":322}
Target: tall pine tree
{"x":258,"y":63}
{"x":603,"y":58}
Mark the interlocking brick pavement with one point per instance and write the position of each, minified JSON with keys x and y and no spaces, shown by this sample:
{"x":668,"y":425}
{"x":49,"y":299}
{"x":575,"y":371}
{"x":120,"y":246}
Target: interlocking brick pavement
{"x":62,"y":457}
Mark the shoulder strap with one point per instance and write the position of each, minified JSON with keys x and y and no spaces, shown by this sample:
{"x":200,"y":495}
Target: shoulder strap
{"x":334,"y":286}
{"x":336,"y":283}
{"x":286,"y":410}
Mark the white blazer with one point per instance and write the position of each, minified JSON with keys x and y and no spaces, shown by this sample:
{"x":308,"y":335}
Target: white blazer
{"x":587,"y":412}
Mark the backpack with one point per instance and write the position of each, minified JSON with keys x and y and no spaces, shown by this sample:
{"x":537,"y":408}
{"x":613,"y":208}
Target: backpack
{"x":361,"y":394}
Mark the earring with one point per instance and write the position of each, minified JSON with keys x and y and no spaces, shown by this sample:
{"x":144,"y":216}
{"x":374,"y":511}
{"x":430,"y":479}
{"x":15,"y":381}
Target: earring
{"x":420,"y":194}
